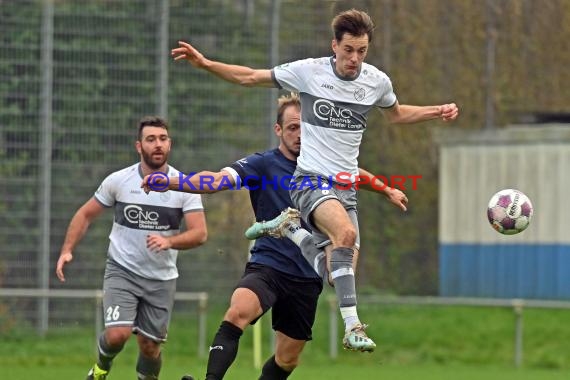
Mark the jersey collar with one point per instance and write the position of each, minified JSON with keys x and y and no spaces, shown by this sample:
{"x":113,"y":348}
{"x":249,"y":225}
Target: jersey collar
{"x":333,"y":65}
{"x":139,"y":169}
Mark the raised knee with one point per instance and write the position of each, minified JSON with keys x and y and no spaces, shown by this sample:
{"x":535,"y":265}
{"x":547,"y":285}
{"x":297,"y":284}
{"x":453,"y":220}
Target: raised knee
{"x":346,"y":238}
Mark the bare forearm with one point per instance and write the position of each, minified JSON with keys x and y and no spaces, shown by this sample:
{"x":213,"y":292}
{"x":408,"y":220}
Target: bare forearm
{"x":370,"y":182}
{"x":75,"y":232}
{"x":192,"y":185}
{"x":407,"y":114}
{"x":242,"y":75}
{"x":188,"y":239}
{"x":204,"y":182}
{"x":414,"y":114}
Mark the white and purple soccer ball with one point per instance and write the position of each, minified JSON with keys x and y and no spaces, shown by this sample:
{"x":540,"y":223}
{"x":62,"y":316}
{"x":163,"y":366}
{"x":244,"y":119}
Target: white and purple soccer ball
{"x":509,"y":211}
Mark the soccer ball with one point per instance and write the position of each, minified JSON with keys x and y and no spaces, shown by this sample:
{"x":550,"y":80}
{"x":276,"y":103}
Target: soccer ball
{"x":509,"y":211}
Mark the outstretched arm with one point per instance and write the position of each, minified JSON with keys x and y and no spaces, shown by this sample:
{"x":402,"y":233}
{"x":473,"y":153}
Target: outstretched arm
{"x":204,"y":182}
{"x":407,"y":114}
{"x":75,"y":232}
{"x":367,"y":181}
{"x":241,"y":75}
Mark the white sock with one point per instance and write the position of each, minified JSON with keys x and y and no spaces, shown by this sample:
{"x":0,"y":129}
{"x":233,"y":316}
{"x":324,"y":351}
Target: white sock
{"x":350,"y":317}
{"x":296,"y":233}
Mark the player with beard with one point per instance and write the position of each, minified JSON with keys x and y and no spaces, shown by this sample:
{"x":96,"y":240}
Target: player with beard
{"x":337,"y":94}
{"x":279,"y":275}
{"x":140,"y":274}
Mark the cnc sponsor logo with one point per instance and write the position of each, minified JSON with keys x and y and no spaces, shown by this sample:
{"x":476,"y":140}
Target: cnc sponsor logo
{"x":143,"y":219}
{"x":325,"y":109}
{"x":336,"y":117}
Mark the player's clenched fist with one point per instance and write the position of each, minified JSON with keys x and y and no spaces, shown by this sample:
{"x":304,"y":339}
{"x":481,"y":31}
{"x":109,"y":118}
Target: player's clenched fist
{"x":449,"y":112}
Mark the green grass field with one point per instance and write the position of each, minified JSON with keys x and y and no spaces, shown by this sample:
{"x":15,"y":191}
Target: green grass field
{"x":427,"y":342}
{"x":333,"y":371}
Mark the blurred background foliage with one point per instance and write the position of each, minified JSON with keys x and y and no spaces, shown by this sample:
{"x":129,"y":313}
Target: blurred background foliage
{"x":500,"y":61}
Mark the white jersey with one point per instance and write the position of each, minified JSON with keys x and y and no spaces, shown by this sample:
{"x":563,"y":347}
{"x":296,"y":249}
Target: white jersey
{"x":137,"y":215}
{"x":333,"y":111}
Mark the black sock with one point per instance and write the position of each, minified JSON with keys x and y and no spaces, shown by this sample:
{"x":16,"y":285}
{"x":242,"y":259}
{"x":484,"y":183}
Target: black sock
{"x":223,"y":350}
{"x":147,"y":368}
{"x":271,"y":371}
{"x":106,"y":353}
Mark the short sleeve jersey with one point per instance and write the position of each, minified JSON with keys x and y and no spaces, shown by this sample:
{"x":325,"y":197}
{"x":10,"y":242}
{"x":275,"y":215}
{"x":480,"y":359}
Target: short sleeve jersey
{"x":137,"y":214}
{"x":333,"y":111}
{"x":267,"y":176}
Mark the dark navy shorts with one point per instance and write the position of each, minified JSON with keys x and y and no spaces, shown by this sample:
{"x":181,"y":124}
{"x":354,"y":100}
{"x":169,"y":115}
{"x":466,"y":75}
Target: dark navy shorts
{"x":292,"y":300}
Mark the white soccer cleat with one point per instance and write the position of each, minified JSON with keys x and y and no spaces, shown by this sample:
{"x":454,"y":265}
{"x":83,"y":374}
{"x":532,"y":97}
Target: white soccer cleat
{"x":357,"y":340}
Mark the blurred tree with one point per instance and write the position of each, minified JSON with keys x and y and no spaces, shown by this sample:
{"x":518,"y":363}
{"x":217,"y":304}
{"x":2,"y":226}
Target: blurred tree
{"x":105,"y":68}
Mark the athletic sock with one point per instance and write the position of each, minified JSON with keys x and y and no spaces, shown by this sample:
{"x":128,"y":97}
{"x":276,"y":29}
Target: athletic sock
{"x":148,"y":368}
{"x":304,"y":240}
{"x":350,"y":317}
{"x":223,"y":350}
{"x":296,"y":233}
{"x":271,"y":371}
{"x":344,"y":284}
{"x":106,"y":353}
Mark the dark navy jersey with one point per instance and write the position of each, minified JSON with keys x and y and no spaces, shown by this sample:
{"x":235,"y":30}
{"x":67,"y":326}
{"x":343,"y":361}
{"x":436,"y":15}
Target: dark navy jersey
{"x":267,"y":176}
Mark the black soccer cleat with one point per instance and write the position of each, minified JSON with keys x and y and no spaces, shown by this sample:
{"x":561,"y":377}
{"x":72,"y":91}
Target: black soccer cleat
{"x":187,"y":377}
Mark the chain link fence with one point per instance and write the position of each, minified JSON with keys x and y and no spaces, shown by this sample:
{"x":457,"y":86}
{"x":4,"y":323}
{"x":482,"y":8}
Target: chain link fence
{"x":75,"y":76}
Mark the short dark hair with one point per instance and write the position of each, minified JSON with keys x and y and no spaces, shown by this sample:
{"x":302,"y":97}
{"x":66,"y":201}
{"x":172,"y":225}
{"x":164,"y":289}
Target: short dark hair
{"x":151,"y":121}
{"x":284,"y":102}
{"x":353,"y":22}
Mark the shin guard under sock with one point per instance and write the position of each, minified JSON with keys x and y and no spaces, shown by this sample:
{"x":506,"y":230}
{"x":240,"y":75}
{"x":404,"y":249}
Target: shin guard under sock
{"x":223,"y":350}
{"x":106,"y":353}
